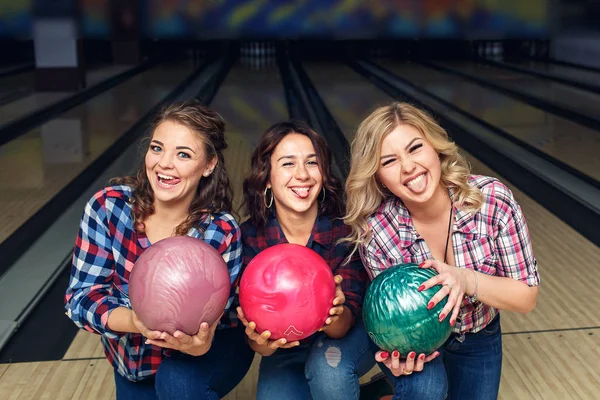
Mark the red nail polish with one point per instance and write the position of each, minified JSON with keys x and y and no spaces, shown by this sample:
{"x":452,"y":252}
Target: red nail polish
{"x":430,"y":305}
{"x":421,"y":265}
{"x":395,"y":354}
{"x":442,"y":316}
{"x":452,"y":322}
{"x":412,"y":354}
{"x":422,"y":357}
{"x":384,"y":354}
{"x":422,"y":287}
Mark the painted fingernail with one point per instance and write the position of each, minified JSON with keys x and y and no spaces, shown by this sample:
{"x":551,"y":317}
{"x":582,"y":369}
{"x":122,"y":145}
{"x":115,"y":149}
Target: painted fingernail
{"x":412,"y":354}
{"x":422,"y":357}
{"x":422,"y":287}
{"x":437,"y":353}
{"x":430,"y":305}
{"x":442,"y":316}
{"x":421,"y":265}
{"x":395,"y":354}
{"x":384,"y":354}
{"x":452,"y":322}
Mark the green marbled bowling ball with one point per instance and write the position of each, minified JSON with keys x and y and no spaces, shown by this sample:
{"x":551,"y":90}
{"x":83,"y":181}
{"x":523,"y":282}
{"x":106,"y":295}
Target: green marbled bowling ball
{"x":396,"y":315}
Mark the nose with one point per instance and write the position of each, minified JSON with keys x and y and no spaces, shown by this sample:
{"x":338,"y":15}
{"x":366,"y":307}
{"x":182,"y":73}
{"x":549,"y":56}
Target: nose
{"x":408,"y":165}
{"x":166,"y":160}
{"x":301,"y":172}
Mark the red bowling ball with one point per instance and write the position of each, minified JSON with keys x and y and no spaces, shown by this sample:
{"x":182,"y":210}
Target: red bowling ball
{"x":178,"y":283}
{"x":288,"y":290}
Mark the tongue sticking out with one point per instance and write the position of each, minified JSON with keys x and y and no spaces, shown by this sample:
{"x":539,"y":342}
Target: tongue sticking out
{"x":418,"y":184}
{"x":301,"y":192}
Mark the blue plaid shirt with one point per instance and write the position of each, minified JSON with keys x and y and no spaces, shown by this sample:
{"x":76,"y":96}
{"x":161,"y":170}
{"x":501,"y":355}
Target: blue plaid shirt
{"x":106,"y":249}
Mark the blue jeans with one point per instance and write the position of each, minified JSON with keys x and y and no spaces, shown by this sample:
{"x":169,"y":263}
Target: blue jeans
{"x":182,"y":377}
{"x":474,"y":366}
{"x":323,"y":369}
{"x":464,"y":371}
{"x":208,"y":377}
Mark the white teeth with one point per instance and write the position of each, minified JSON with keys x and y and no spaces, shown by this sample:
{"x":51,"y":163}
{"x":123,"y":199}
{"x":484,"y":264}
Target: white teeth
{"x":418,"y":179}
{"x":300,"y":189}
{"x":167,"y":177}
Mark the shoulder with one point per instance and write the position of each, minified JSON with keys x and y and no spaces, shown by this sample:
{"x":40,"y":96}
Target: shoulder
{"x":107,"y":198}
{"x":389,"y":209}
{"x":495,"y":193}
{"x":225,"y":223}
{"x":251,"y":234}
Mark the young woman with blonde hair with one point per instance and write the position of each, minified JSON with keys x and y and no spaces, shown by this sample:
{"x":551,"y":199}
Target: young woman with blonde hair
{"x":412,"y":199}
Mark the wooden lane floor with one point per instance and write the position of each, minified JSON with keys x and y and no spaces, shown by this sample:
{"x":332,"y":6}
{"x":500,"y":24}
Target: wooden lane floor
{"x":37,"y":165}
{"x":30,"y":101}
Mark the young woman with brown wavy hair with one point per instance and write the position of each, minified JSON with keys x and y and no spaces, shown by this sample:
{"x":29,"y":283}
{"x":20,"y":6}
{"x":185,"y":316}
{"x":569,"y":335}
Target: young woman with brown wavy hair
{"x":182,"y":188}
{"x":291,"y":196}
{"x":412,"y":199}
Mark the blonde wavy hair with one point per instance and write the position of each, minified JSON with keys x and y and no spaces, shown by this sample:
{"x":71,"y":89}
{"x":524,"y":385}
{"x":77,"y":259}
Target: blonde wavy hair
{"x":364,"y":194}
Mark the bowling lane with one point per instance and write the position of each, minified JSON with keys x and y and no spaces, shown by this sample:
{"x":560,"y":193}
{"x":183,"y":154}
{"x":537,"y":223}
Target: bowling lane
{"x":561,"y":71}
{"x":38,"y":164}
{"x":556,"y":245}
{"x":250,"y":100}
{"x":566,"y":96}
{"x":573,"y":144}
{"x":16,"y":86}
{"x":23,"y":100}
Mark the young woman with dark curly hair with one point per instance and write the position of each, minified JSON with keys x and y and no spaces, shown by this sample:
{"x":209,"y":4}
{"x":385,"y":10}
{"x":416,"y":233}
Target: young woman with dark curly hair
{"x":291,"y":196}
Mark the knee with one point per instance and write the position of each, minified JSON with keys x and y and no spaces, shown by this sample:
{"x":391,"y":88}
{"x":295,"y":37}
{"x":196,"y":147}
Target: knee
{"x":328,"y":361}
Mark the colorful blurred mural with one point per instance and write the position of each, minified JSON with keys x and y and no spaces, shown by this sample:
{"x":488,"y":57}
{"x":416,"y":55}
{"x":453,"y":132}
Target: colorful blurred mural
{"x":327,"y":19}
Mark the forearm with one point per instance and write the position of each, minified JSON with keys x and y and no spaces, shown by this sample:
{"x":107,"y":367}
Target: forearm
{"x":119,"y":320}
{"x":341,"y":326}
{"x":501,"y":292}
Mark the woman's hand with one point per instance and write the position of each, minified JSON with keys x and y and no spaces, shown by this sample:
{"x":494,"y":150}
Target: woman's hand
{"x":400,"y":367}
{"x":142,"y":329}
{"x":263,"y":345}
{"x":454,"y":285}
{"x":195,"y":345}
{"x":337,"y":310}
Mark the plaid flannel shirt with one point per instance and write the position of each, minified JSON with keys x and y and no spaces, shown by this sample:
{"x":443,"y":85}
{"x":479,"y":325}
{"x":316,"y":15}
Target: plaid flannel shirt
{"x":326,"y":231}
{"x":106,"y":249}
{"x":494,"y":241}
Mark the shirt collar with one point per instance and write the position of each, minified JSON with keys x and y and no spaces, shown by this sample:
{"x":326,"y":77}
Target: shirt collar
{"x":321,"y":232}
{"x":463,"y":221}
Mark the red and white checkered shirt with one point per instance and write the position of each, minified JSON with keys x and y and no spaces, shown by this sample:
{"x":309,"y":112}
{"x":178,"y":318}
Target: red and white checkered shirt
{"x":494,"y":241}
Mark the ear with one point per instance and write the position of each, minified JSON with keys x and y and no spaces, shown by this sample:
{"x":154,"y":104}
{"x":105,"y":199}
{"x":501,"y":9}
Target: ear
{"x":212,"y":164}
{"x":268,"y":184}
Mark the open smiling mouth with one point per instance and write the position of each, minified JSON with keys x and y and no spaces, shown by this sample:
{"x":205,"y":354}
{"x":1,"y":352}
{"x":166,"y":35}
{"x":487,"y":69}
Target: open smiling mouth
{"x":167,"y":181}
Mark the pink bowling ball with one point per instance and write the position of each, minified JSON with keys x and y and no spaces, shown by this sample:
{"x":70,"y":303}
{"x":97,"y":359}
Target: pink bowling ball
{"x":288,"y":290}
{"x":178,"y":283}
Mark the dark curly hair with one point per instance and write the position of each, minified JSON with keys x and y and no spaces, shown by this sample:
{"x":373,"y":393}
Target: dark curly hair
{"x":214,"y":192}
{"x":260,"y":172}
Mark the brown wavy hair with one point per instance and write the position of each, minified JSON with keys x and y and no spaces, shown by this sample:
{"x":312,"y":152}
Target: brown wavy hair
{"x":214,"y":193}
{"x":260,"y":172}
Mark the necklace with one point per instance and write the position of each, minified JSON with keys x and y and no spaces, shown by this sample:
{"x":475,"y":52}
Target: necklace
{"x":448,"y":236}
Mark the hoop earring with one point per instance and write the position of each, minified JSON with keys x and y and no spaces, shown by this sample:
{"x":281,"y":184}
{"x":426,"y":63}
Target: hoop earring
{"x":323,"y":195}
{"x":265,"y":199}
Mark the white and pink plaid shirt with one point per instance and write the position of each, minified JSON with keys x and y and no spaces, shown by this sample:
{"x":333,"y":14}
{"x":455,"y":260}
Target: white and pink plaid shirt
{"x":493,"y":241}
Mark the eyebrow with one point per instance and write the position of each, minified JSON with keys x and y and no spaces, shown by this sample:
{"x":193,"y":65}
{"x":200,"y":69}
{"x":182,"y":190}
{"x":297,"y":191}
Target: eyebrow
{"x":406,"y":147}
{"x":293,"y":157}
{"x":176,"y":148}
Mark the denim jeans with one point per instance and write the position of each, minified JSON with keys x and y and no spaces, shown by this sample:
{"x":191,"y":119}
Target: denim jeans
{"x":467,"y":370}
{"x":474,"y":366}
{"x":323,"y":369}
{"x":182,"y":377}
{"x":208,"y":377}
